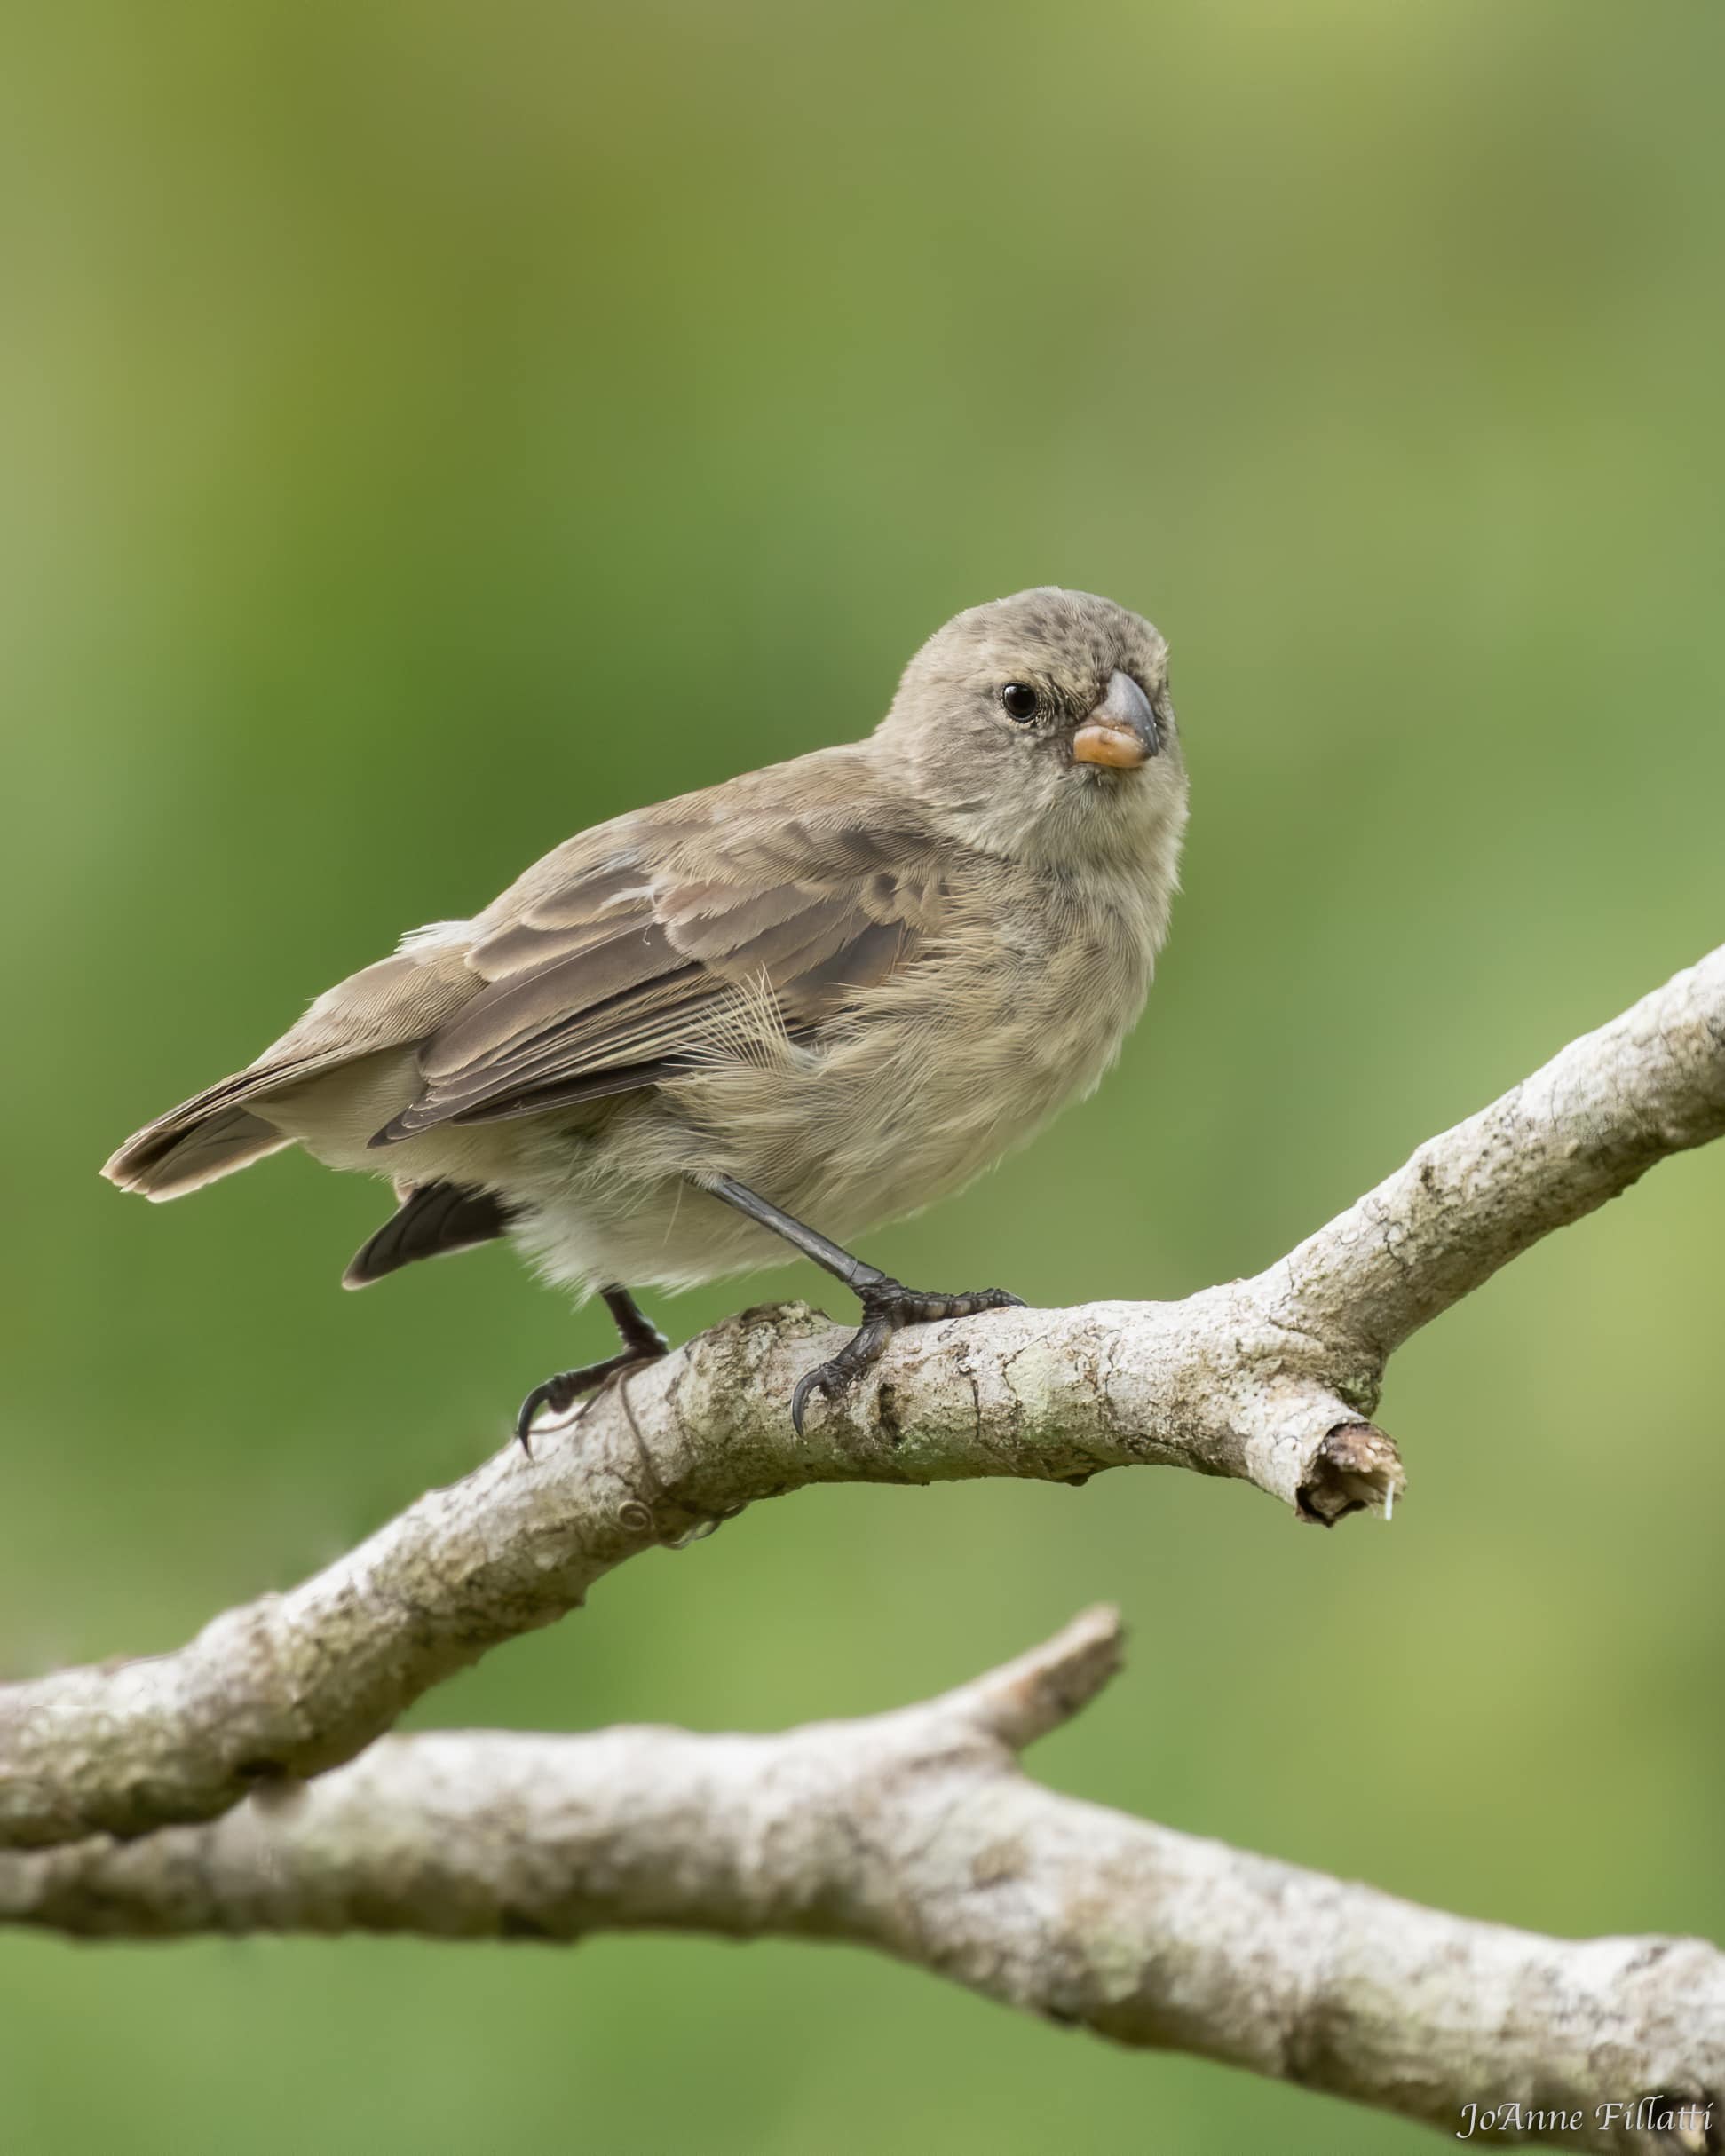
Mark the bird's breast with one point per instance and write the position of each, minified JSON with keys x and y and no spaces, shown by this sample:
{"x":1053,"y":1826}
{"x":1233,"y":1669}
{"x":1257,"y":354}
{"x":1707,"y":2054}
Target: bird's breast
{"x":931,"y":1077}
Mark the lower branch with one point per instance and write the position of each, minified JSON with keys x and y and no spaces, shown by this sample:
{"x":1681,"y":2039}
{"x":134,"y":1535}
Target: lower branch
{"x":915,"y":1833}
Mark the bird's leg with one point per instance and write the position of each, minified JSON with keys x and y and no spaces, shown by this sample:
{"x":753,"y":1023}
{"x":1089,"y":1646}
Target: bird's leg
{"x":639,"y":1334}
{"x":887,"y":1303}
{"x":643,"y":1342}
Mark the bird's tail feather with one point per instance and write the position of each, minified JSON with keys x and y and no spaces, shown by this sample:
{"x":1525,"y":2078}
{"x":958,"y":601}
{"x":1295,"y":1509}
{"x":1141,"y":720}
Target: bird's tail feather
{"x":213,"y":1132}
{"x":434,"y":1219}
{"x":181,"y":1153}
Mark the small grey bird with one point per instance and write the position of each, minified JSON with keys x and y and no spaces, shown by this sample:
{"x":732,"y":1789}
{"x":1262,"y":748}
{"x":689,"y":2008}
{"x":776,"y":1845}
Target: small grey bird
{"x":826,"y":992}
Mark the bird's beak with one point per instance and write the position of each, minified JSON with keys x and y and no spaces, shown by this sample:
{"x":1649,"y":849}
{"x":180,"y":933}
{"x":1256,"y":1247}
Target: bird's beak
{"x":1121,"y":733}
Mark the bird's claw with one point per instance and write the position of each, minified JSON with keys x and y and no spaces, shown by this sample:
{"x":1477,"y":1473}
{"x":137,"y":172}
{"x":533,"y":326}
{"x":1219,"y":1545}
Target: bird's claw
{"x":828,"y":1380}
{"x":888,"y":1305}
{"x":560,"y":1394}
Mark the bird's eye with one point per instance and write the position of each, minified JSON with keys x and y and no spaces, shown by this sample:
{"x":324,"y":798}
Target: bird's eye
{"x":1021,"y":701}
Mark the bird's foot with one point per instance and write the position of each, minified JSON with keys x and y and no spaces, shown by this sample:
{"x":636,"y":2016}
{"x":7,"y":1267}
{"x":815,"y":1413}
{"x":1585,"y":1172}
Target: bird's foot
{"x":887,"y":1305}
{"x":560,"y":1394}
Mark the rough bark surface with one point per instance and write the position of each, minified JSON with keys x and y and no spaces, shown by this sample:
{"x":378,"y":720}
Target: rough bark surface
{"x":916,"y":1833}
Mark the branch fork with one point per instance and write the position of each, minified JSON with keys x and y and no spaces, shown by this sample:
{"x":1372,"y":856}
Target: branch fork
{"x":917,"y":1833}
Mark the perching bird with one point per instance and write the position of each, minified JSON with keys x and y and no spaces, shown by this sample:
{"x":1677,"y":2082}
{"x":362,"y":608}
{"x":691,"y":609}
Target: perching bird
{"x":827,"y":992}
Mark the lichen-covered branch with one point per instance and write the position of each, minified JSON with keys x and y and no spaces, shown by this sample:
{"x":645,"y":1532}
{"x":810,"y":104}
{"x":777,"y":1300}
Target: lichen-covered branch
{"x":915,"y":1833}
{"x":1270,"y":1380}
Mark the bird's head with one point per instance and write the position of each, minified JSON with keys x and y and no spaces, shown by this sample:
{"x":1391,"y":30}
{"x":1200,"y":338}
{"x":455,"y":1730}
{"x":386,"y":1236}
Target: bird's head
{"x":1040,"y":727}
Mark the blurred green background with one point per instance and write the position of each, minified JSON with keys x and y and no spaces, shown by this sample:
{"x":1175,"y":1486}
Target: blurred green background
{"x":430,"y":428}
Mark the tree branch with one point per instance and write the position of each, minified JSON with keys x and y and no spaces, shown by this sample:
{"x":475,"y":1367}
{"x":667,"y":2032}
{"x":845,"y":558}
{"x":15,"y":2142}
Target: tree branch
{"x":915,"y":1833}
{"x":1551,"y":1150}
{"x":1269,"y":1380}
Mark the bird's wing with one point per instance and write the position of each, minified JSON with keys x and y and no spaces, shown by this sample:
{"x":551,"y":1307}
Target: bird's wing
{"x":640,"y":950}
